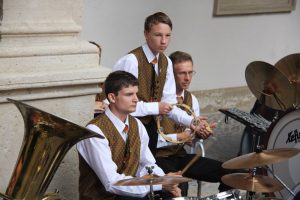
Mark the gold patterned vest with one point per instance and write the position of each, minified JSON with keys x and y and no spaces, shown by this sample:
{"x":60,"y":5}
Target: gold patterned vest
{"x":170,"y":127}
{"x":150,"y":89}
{"x":90,"y":187}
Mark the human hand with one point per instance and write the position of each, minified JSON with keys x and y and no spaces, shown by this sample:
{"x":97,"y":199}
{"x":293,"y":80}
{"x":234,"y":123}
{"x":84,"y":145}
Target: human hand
{"x":100,"y":106}
{"x":164,"y":108}
{"x":202,"y":128}
{"x":173,"y":188}
{"x":186,"y":136}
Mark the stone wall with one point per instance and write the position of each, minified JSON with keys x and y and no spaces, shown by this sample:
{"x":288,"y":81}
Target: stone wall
{"x":44,"y":63}
{"x":225,"y":142}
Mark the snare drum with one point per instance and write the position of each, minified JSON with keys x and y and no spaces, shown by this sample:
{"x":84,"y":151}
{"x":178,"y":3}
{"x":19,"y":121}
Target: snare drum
{"x":186,"y":198}
{"x":285,"y":133}
{"x":227,"y":195}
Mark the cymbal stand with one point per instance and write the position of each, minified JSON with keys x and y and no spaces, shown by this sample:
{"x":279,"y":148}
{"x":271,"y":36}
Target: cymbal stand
{"x":256,"y":148}
{"x":151,"y":194}
{"x":250,"y":194}
{"x":280,"y":181}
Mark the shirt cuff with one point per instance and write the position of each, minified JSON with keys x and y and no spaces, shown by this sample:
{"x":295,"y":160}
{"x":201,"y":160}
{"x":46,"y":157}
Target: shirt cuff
{"x":153,"y":108}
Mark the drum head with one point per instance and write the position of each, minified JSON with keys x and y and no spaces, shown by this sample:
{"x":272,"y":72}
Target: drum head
{"x":286,"y":134}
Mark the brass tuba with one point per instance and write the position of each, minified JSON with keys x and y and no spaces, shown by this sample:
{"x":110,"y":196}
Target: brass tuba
{"x":46,"y":141}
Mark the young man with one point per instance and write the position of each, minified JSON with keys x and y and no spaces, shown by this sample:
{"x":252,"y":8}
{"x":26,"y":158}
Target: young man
{"x":172,"y":157}
{"x":154,"y":71}
{"x":124,"y":153}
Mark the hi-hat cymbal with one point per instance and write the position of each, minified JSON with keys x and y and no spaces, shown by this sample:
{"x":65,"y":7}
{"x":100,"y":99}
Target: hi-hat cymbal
{"x":152,"y":180}
{"x":269,"y":85}
{"x":265,"y":157}
{"x":290,"y":67}
{"x":258,"y":183}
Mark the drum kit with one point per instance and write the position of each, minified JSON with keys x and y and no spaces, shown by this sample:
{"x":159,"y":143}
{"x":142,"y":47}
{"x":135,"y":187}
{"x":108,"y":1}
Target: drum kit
{"x":277,"y":87}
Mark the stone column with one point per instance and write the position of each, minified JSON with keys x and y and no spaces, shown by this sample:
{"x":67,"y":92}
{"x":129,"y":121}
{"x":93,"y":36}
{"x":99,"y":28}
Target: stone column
{"x":43,"y":62}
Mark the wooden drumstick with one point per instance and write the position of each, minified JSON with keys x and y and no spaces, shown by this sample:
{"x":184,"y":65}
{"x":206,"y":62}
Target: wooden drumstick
{"x":196,"y":157}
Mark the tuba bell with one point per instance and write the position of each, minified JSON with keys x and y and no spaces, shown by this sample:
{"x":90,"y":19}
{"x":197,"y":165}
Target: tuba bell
{"x":46,"y":141}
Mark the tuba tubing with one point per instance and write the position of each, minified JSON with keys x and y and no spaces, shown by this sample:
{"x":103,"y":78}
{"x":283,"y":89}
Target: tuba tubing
{"x":46,"y":141}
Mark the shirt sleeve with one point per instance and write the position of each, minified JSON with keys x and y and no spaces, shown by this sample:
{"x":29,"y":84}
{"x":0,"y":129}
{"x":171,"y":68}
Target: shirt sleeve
{"x":169,"y":90}
{"x":161,"y":142}
{"x":97,"y":154}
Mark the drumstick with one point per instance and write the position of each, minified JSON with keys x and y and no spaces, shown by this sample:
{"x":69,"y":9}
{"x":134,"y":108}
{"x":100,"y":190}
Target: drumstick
{"x":196,"y":157}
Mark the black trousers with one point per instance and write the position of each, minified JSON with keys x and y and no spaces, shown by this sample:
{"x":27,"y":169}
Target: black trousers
{"x":151,"y":128}
{"x":205,"y":169}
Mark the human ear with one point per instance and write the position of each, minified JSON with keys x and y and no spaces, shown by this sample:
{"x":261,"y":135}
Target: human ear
{"x":111,"y":97}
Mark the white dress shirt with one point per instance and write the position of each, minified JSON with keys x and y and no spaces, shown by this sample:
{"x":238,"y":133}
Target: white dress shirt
{"x":129,"y":63}
{"x":161,"y":142}
{"x":97,"y":153}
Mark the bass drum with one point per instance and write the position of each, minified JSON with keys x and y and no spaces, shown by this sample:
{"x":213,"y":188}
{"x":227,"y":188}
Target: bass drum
{"x":285,"y":133}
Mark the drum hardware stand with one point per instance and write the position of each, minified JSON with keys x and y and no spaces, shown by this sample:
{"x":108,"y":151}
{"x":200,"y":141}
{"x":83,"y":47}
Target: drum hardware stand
{"x":280,"y":181}
{"x":259,"y":148}
{"x":250,"y":194}
{"x":256,"y":148}
{"x":151,"y":194}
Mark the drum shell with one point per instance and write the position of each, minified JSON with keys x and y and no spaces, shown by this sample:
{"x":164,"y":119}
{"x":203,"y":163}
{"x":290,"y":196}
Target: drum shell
{"x":226,"y":195}
{"x":285,"y":133}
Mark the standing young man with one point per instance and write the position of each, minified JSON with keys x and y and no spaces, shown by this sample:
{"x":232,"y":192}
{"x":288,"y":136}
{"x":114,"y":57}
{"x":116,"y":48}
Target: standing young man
{"x":124,"y":153}
{"x":154,"y":70}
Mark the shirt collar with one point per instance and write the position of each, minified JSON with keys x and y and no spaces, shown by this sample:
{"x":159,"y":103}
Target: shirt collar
{"x":181,"y":95}
{"x":149,"y":55}
{"x":116,"y":121}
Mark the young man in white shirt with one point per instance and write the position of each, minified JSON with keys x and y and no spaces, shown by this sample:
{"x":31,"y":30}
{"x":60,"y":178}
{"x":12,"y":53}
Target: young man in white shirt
{"x":124,"y":153}
{"x":154,"y":70}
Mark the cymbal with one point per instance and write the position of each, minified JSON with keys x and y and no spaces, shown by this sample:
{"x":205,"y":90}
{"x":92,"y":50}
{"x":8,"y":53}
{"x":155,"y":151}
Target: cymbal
{"x":265,"y":157}
{"x":269,"y":85}
{"x":258,"y":183}
{"x":152,"y":180}
{"x":290,"y":67}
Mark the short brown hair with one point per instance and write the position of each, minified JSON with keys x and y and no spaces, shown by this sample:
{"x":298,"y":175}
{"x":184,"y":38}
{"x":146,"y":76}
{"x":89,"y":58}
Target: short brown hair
{"x":118,"y":80}
{"x":156,"y":18}
{"x":180,"y":56}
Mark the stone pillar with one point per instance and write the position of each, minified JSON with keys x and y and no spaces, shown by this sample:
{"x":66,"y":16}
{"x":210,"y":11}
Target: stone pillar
{"x":43,"y":62}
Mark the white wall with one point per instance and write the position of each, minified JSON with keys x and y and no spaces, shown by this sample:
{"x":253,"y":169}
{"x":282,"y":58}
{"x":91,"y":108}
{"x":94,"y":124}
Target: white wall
{"x":222,"y":47}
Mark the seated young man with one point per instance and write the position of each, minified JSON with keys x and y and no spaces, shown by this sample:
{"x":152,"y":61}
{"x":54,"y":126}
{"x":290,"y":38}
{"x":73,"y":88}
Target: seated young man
{"x":172,"y":157}
{"x":124,"y":153}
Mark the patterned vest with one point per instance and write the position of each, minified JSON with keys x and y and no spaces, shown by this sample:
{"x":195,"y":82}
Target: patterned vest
{"x":170,"y":127}
{"x":150,"y":85}
{"x":90,"y":187}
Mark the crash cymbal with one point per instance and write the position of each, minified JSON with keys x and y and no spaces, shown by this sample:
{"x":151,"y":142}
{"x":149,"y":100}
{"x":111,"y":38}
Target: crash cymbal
{"x":152,"y":180}
{"x":258,"y":183}
{"x":290,"y":67}
{"x":265,"y":157}
{"x":269,"y":85}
